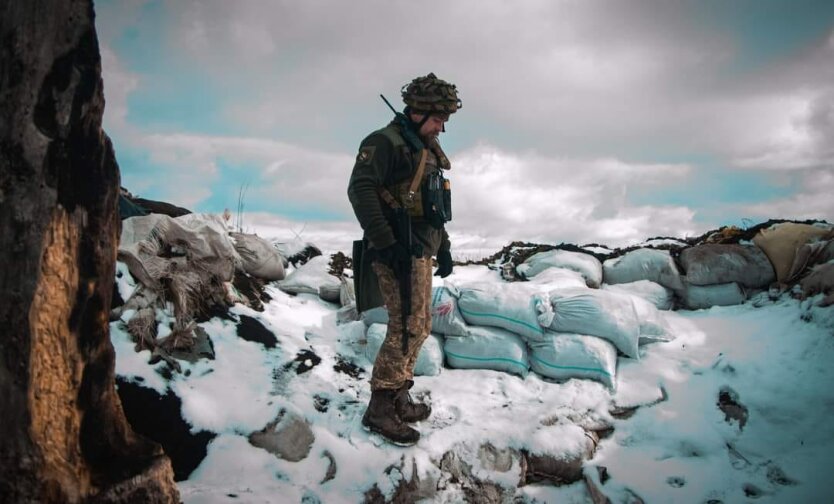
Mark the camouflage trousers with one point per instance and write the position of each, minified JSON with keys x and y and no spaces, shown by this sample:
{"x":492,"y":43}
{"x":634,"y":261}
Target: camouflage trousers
{"x":392,"y":369}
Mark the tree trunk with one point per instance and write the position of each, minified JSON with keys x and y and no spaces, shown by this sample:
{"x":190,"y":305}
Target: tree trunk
{"x":63,"y":435}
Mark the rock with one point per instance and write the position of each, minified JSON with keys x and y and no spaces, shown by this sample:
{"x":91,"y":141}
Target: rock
{"x":413,"y":489}
{"x":288,"y":437}
{"x":558,"y":469}
{"x":159,"y":417}
{"x":730,"y":405}
{"x":499,"y":460}
{"x":64,"y":436}
{"x":252,"y":329}
{"x":159,"y":207}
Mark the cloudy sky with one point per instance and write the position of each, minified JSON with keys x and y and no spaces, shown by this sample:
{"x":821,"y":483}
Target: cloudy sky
{"x":582,"y":121}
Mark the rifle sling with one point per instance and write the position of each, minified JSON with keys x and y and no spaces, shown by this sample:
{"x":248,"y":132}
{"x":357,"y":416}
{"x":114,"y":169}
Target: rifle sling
{"x":415,"y":183}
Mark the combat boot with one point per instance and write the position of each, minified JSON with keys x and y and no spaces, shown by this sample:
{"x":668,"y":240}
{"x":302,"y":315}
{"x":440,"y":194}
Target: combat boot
{"x":381,"y":417}
{"x":409,"y":410}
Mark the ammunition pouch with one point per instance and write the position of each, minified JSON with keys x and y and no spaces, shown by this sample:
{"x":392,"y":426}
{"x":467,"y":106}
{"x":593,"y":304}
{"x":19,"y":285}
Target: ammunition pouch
{"x":432,"y":203}
{"x":437,"y":200}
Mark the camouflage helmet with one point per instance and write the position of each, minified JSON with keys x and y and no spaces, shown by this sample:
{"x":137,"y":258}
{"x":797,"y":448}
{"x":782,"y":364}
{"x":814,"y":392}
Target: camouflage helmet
{"x":430,"y":94}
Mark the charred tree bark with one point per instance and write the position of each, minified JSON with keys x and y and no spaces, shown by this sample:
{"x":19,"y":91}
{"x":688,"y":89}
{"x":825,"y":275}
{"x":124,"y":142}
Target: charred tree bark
{"x":63,"y":434}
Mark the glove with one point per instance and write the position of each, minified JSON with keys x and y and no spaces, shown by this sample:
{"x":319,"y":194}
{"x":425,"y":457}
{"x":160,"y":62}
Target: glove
{"x":393,"y":254}
{"x":444,"y":264}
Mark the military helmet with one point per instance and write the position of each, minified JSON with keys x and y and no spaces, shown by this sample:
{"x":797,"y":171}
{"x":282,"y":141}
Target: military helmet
{"x":430,"y":94}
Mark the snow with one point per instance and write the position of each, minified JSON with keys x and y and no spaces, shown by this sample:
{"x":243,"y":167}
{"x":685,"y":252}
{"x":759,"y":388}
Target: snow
{"x":676,"y":447}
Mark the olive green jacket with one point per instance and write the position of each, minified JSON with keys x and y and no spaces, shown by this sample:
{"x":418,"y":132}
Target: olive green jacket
{"x":386,"y":161}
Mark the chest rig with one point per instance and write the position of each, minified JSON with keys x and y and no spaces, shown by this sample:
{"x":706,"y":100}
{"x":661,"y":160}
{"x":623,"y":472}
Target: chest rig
{"x":427,"y":196}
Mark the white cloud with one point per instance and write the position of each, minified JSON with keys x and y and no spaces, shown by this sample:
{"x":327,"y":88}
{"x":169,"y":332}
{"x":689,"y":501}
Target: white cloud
{"x":802,"y":138}
{"x":813,"y":201}
{"x":118,"y":84}
{"x":509,"y":196}
{"x":276,"y":171}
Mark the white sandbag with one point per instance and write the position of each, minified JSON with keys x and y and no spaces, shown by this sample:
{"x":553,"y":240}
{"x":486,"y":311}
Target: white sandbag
{"x":488,"y":348}
{"x":558,"y":278}
{"x":330,"y":292}
{"x":643,"y":264}
{"x":309,"y":277}
{"x":446,"y":318}
{"x":653,"y":325}
{"x":563,"y":356}
{"x":517,"y":307}
{"x":260,"y":259}
{"x":715,"y":263}
{"x":429,"y":360}
{"x":696,"y":297}
{"x":585,"y":264}
{"x":646,"y":297}
{"x":378,"y":315}
{"x":661,"y":297}
{"x":606,"y":314}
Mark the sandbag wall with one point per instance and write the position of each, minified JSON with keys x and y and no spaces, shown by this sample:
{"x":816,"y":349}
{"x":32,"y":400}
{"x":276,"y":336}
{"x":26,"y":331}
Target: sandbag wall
{"x":574,"y":317}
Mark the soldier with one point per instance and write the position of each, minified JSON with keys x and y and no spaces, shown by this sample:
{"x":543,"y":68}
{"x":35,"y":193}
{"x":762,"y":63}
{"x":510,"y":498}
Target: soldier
{"x":397,"y":183}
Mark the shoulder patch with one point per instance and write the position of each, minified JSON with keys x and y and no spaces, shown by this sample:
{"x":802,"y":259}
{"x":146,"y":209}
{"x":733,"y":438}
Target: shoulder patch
{"x":366,"y":154}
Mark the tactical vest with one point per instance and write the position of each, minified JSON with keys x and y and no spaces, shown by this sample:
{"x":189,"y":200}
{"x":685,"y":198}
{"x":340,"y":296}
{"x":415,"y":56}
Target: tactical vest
{"x":431,"y":200}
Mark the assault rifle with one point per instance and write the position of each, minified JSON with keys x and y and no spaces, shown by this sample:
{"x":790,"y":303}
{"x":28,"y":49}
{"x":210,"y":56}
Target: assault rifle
{"x":402,"y":230}
{"x":406,"y":129}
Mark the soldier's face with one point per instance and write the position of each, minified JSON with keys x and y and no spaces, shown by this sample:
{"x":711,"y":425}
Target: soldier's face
{"x":432,"y":127}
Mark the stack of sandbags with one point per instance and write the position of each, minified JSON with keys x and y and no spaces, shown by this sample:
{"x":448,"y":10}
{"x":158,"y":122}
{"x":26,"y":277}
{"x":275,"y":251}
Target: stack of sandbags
{"x":643,"y":264}
{"x":486,"y":346}
{"x":792,"y":247}
{"x":429,"y":359}
{"x":722,"y":274}
{"x":585,"y":264}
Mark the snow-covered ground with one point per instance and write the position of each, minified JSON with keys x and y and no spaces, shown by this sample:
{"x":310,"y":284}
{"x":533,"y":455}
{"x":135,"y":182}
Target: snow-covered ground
{"x":772,"y":368}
